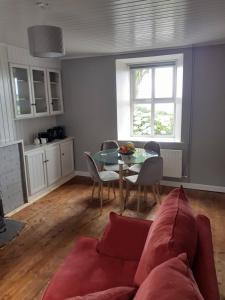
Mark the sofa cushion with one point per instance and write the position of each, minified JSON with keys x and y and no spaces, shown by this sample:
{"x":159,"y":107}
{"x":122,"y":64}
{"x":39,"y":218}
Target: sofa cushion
{"x":204,"y":266}
{"x":171,"y":280}
{"x":174,"y":231}
{"x":124,"y":237}
{"x":85,"y":271}
{"x":117,"y":293}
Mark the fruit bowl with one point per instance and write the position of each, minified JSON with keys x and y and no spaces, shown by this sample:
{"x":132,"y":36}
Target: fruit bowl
{"x":127,"y":149}
{"x":126,"y":153}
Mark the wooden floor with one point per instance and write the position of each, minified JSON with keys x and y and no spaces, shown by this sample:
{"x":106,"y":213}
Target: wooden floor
{"x":56,"y":221}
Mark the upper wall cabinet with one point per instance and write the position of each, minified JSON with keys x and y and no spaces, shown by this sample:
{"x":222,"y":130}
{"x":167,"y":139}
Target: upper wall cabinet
{"x":21,"y":88}
{"x":55,"y":92}
{"x":36,"y":91}
{"x":40,"y":91}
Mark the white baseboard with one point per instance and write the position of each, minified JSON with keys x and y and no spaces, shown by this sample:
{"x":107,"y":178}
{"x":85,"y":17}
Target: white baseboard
{"x":194,"y":186}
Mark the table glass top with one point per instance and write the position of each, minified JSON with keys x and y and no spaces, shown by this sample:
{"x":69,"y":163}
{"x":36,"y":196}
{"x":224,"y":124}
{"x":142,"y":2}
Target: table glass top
{"x":111,"y":156}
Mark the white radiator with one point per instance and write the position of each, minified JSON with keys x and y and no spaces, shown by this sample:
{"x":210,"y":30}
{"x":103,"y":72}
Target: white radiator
{"x":172,"y":163}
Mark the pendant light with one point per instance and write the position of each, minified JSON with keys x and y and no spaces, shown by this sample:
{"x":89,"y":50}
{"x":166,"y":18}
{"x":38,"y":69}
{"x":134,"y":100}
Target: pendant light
{"x":45,"y":40}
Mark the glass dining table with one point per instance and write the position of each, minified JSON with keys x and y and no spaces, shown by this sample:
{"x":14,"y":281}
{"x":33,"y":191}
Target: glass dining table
{"x":113,"y":157}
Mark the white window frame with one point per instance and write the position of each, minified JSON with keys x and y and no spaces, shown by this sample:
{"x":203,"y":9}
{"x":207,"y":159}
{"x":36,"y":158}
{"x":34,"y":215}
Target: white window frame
{"x":153,"y":100}
{"x":124,"y":96}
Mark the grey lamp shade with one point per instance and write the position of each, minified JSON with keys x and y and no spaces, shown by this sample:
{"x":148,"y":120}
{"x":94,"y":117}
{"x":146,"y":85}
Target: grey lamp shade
{"x":45,"y":41}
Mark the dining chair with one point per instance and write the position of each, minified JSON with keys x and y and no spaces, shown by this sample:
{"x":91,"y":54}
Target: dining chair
{"x":150,"y":174}
{"x":100,"y":177}
{"x":149,"y":146}
{"x":107,"y":145}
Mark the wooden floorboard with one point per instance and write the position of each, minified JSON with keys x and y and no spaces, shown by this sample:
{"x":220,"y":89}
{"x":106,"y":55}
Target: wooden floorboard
{"x":56,"y":221}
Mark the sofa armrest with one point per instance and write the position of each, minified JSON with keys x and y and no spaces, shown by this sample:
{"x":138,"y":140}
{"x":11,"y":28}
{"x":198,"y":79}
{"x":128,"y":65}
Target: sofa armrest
{"x":204,"y":266}
{"x":124,"y":237}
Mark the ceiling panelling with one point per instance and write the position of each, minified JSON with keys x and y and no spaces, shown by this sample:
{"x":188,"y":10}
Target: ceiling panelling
{"x":99,"y":27}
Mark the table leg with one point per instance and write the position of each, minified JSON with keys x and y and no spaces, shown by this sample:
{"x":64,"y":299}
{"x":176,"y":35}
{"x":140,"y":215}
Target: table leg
{"x":121,"y":188}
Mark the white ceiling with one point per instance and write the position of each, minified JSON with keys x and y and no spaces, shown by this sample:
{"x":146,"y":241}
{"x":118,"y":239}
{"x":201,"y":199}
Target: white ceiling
{"x":99,"y":27}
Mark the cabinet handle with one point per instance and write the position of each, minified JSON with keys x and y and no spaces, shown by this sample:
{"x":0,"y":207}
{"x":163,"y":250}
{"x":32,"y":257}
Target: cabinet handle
{"x":62,"y":154}
{"x":33,"y":104}
{"x":45,"y":161}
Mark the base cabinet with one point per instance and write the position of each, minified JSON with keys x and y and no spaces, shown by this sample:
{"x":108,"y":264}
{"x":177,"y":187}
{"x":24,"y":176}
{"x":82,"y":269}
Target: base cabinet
{"x":48,"y":165}
{"x":53,"y":164}
{"x":67,"y":159}
{"x":36,"y":172}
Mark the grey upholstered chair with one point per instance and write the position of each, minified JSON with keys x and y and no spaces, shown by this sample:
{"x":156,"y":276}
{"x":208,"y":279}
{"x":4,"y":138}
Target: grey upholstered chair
{"x":111,"y":144}
{"x":149,"y":146}
{"x":100,"y":178}
{"x":150,"y":174}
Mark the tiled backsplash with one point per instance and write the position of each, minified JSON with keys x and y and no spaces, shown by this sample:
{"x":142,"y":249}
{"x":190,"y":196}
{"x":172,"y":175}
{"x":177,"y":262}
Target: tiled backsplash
{"x":10,"y":178}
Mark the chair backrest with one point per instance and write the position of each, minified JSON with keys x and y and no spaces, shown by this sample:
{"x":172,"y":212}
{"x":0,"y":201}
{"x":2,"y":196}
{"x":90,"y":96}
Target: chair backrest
{"x":92,"y":168}
{"x":152,"y":146}
{"x":151,"y":171}
{"x":109,"y":144}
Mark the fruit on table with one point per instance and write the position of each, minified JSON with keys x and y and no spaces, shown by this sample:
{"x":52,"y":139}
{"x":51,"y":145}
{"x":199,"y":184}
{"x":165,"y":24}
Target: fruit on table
{"x":128,"y":147}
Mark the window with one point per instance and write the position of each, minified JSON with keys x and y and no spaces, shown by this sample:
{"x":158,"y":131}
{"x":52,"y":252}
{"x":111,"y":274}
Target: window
{"x":153,"y":102}
{"x":149,"y":98}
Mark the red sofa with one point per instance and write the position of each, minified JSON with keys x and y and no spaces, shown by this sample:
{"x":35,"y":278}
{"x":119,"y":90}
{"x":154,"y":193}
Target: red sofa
{"x":124,"y":257}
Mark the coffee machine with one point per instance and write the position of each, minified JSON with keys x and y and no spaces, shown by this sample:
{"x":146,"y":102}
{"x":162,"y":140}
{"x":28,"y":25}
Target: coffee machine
{"x":54,"y":133}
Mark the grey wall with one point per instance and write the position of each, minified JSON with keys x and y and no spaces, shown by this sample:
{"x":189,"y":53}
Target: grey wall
{"x":89,"y":87}
{"x":207,"y":155}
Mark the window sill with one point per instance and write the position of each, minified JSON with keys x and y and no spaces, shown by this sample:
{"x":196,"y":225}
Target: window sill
{"x":148,"y":139}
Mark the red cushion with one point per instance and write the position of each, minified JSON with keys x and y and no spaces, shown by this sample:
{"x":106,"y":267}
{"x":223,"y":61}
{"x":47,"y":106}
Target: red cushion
{"x":85,"y":271}
{"x":174,"y":231}
{"x":204,"y":267}
{"x":117,"y":293}
{"x":124,"y":237}
{"x":172,"y":280}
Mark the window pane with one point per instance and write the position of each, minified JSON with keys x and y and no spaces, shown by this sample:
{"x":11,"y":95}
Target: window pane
{"x":164,"y":82}
{"x":143,"y":83}
{"x":142,"y":119}
{"x":164,"y":119}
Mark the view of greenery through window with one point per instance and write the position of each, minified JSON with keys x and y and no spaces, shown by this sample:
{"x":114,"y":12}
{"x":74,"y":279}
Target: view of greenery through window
{"x":144,"y":103}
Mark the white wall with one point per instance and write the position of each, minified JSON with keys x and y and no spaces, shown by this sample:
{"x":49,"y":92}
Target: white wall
{"x":7,"y":132}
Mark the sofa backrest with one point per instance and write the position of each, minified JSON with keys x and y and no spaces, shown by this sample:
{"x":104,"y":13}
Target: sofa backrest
{"x":204,"y":266}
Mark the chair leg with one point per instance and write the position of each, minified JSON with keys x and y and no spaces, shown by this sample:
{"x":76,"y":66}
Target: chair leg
{"x":158,"y":192}
{"x":93,"y":190}
{"x":145,"y":193}
{"x":114,"y":192}
{"x":108,"y":190}
{"x":127,"y":194}
{"x":101,"y":197}
{"x":154,"y":192}
{"x":99,"y":190}
{"x":138,"y":198}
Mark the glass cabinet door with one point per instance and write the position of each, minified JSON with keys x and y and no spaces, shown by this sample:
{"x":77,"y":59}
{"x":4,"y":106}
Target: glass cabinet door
{"x":21,"y":91}
{"x":55,"y":92}
{"x":40,"y":92}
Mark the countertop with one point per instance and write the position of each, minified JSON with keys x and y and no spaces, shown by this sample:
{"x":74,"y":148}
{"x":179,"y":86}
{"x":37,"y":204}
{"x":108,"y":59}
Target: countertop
{"x":33,"y":147}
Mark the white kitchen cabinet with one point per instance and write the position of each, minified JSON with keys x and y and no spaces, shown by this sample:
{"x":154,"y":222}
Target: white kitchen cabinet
{"x":21,"y":90}
{"x":48,"y":166}
{"x":53,"y":164}
{"x":36,"y":171}
{"x":39,"y":91}
{"x":67,"y":157}
{"x":55,"y":91}
{"x":36,"y":91}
